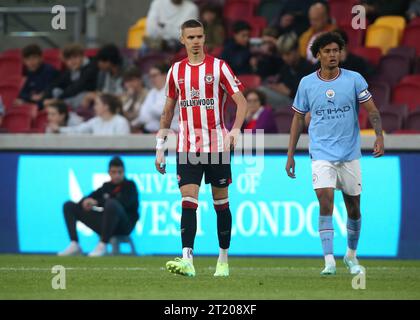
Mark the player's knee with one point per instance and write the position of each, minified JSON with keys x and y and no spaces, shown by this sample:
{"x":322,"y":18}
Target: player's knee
{"x":111,"y":204}
{"x":221,"y":204}
{"x":189,"y":202}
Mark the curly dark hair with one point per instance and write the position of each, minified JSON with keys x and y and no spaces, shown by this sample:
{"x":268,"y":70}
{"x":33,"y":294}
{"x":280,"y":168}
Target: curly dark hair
{"x":326,"y":39}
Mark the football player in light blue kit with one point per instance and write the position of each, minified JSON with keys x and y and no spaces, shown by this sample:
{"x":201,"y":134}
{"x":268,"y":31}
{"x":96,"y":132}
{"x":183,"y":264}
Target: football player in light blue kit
{"x":333,"y":96}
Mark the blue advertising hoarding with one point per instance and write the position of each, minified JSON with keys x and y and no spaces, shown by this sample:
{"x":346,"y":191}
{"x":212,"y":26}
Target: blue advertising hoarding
{"x":272,"y":214}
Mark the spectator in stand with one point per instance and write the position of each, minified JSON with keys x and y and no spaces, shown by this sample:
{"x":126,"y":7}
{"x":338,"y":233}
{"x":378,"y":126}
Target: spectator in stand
{"x":353,"y":62}
{"x":282,"y":90}
{"x":110,"y":80}
{"x":112,"y":210}
{"x":268,"y":61}
{"x":164,"y":21}
{"x":378,"y":8}
{"x":413,"y":10}
{"x":39,"y":76}
{"x":1,"y":110}
{"x":236,"y":51}
{"x":148,"y":120}
{"x":293,"y":17}
{"x":134,"y":94}
{"x":320,"y":22}
{"x":58,"y":114}
{"x":213,"y":26}
{"x":79,"y":78}
{"x":107,"y":121}
{"x":259,"y":116}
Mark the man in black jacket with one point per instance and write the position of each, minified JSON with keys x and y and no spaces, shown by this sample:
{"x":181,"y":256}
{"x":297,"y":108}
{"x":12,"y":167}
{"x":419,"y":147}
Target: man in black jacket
{"x":111,"y":210}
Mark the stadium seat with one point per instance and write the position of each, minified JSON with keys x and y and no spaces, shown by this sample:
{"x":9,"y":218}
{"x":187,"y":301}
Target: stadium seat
{"x":283,"y":118}
{"x":383,"y":37}
{"x":17,"y":122}
{"x":10,"y":67}
{"x":415,"y":22}
{"x":392,"y":119}
{"x":372,"y":55}
{"x":91,"y":52}
{"x":14,"y":53}
{"x":381,"y":93}
{"x":30,"y":109}
{"x":217,"y":51}
{"x":136,"y":34}
{"x":355,"y":37}
{"x":391,"y":69}
{"x":407,"y":52}
{"x":238,"y":10}
{"x":341,"y":10}
{"x":52,"y":56}
{"x":250,"y":80}
{"x":411,"y":38}
{"x":116,"y":241}
{"x":413,"y":120}
{"x":9,"y":93}
{"x":411,"y":78}
{"x":39,"y":124}
{"x":396,"y":22}
{"x":146,"y":62}
{"x":258,"y":24}
{"x":407,"y":93}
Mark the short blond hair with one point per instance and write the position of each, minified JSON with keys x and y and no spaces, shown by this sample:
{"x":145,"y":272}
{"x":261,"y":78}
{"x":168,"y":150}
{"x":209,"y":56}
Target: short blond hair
{"x":287,"y":43}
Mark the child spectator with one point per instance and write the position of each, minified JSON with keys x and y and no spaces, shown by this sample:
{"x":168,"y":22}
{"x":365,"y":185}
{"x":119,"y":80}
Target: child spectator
{"x":134,"y":94}
{"x":213,"y":26}
{"x":58,"y":114}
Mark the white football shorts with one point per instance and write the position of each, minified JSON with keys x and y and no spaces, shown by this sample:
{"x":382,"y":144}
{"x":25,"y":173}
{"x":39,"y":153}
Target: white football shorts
{"x":345,"y":176}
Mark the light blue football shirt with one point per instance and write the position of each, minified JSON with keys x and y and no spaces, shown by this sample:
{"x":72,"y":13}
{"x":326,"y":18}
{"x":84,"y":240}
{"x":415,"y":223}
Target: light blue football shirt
{"x":334,"y":132}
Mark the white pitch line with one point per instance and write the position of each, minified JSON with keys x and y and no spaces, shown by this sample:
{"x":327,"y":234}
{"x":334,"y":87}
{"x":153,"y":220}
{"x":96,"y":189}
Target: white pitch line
{"x":210,"y":268}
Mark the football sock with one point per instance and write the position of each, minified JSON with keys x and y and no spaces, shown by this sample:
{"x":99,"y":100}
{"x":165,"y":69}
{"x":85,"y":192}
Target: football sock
{"x":326,"y":232}
{"x":223,"y":255}
{"x":224,"y":222}
{"x":187,"y":253}
{"x":353,"y":234}
{"x":188,"y":224}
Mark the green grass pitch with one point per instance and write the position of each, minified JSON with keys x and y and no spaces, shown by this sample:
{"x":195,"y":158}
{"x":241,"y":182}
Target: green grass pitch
{"x":30,"y":277}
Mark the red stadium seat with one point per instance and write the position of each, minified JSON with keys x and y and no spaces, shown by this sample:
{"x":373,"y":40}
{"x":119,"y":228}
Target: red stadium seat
{"x":415,"y":22}
{"x":407,"y":93}
{"x":283,"y":118}
{"x":381,"y":93}
{"x":91,"y":52}
{"x":40,"y":122}
{"x":146,"y":62}
{"x":238,"y":10}
{"x":372,"y":55}
{"x":29,"y":109}
{"x":413,"y":120}
{"x":341,"y":10}
{"x":17,"y":122}
{"x":406,"y":52}
{"x":10,"y":67}
{"x":392,"y":69}
{"x":14,"y":53}
{"x":355,"y":37}
{"x":392,"y":119}
{"x":217,"y":51}
{"x":9,"y":93}
{"x":52,"y":56}
{"x":411,"y":78}
{"x":411,"y":38}
{"x":258,"y":24}
{"x":250,"y":80}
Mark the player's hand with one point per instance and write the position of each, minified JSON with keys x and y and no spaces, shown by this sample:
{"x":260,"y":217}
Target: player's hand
{"x":160,"y":161}
{"x":290,"y":167}
{"x":88,"y":203}
{"x":232,"y":139}
{"x":378,"y":147}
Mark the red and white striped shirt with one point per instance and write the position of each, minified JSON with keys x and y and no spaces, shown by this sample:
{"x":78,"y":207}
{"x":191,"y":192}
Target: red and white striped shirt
{"x":201,"y":91}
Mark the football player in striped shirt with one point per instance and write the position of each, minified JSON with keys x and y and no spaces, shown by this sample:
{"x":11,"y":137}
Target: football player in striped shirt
{"x":200,"y":84}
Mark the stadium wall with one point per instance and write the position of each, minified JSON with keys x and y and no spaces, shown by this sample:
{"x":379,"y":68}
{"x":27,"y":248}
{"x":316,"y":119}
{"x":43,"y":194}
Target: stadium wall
{"x":272,"y":214}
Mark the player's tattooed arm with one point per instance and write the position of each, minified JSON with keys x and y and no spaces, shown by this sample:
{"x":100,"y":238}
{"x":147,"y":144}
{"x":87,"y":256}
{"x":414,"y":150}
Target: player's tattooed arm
{"x":375,"y":120}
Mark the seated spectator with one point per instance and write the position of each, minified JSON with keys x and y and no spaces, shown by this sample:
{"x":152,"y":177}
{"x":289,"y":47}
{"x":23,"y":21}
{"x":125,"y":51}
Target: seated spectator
{"x":319,"y":19}
{"x":39,"y":76}
{"x":258,"y":116}
{"x":58,"y":114}
{"x":151,"y":110}
{"x":236,"y":51}
{"x":164,"y":21}
{"x":134,"y":94}
{"x":413,"y":10}
{"x":378,"y":8}
{"x":112,"y":210}
{"x":107,"y":121}
{"x":281,"y":91}
{"x":110,"y":80}
{"x":268,"y":60}
{"x":351,"y":61}
{"x":213,"y":26}
{"x":79,"y":78}
{"x":293,"y":17}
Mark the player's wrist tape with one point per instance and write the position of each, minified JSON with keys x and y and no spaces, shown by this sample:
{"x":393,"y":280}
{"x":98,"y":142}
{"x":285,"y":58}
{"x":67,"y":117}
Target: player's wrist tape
{"x":160,"y":144}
